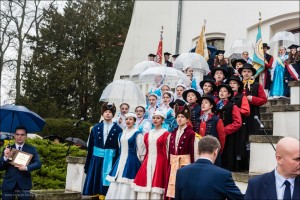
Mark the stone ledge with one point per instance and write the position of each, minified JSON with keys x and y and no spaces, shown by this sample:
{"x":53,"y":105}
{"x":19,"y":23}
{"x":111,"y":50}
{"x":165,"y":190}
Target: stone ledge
{"x":264,"y":139}
{"x":242,"y":176}
{"x":73,"y":159}
{"x":59,"y":194}
{"x":294,"y":83}
{"x":281,"y":108}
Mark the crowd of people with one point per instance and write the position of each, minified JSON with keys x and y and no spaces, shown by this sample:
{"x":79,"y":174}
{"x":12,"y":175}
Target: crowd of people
{"x":136,"y":155}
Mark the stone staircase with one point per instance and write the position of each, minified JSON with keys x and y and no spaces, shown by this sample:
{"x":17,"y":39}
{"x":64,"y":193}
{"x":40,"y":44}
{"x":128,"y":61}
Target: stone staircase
{"x":280,"y":118}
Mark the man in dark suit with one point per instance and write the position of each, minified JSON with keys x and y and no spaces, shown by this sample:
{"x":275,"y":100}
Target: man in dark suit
{"x":284,"y":181}
{"x":204,"y":180}
{"x":17,"y":179}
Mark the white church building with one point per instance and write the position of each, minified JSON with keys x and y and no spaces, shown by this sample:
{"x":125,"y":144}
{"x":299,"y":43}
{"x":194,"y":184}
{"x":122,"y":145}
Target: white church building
{"x":226,"y":21}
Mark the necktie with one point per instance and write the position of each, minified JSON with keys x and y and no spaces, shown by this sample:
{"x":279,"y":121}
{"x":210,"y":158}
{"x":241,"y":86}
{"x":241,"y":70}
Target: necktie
{"x":287,"y":192}
{"x":19,"y":148}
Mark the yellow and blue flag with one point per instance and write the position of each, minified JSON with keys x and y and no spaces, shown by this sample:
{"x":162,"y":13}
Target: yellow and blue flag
{"x":258,"y":57}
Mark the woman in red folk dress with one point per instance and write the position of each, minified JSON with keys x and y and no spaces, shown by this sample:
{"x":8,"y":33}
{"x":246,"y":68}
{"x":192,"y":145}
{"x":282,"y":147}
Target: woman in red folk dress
{"x":151,"y":178}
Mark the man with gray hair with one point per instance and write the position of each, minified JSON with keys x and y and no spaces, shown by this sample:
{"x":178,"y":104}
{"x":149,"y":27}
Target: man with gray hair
{"x":204,"y":180}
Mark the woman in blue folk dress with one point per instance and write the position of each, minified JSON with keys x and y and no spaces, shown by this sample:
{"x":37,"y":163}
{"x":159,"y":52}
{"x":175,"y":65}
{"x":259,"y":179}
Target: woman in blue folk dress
{"x":277,"y":89}
{"x":168,"y":124}
{"x":142,"y":122}
{"x":128,"y":163}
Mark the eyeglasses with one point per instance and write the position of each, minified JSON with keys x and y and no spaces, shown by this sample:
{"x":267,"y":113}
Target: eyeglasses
{"x":139,"y":111}
{"x":22,"y":135}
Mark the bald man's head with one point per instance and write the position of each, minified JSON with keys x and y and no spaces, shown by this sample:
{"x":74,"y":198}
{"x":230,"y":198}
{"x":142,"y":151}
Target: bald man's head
{"x":288,"y":157}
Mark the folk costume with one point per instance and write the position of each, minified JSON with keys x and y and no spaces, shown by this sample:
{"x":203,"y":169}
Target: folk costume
{"x":264,"y":78}
{"x":183,"y":145}
{"x":259,"y":98}
{"x":278,"y":85}
{"x":103,"y":149}
{"x":151,"y":178}
{"x":212,"y":125}
{"x":143,"y":124}
{"x":169,"y":121}
{"x":292,"y":66}
{"x":194,"y":108}
{"x":225,"y":72}
{"x":231,"y":117}
{"x":151,"y":109}
{"x":242,"y":138}
{"x":127,"y":165}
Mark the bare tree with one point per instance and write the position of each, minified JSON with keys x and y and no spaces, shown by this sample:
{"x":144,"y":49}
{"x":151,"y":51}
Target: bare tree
{"x":20,"y":18}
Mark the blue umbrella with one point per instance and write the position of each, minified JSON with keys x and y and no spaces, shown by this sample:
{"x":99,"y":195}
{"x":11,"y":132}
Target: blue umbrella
{"x":12,"y":116}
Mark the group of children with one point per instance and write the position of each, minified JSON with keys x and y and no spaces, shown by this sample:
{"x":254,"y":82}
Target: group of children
{"x":140,"y":160}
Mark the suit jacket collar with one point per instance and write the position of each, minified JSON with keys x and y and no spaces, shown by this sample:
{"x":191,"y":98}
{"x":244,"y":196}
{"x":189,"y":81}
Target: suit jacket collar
{"x":204,"y":161}
{"x":296,"y":193}
{"x":270,"y":186}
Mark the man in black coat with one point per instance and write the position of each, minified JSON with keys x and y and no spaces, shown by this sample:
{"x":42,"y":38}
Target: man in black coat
{"x":204,"y":180}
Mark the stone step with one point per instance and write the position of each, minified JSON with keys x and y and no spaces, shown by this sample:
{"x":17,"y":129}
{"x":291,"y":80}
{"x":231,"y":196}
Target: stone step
{"x":280,"y":108}
{"x":266,"y":116}
{"x":262,"y":154}
{"x":59,"y":194}
{"x":268,"y":131}
{"x":241,"y":180}
{"x":275,"y":102}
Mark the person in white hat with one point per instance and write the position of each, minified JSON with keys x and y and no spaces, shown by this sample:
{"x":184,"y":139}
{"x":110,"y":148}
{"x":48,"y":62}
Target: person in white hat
{"x":167,"y":98}
{"x":128,"y":163}
{"x":152,"y":106}
{"x":151,"y":178}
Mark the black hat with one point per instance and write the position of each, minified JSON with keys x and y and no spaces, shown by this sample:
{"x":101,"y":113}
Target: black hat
{"x":236,"y":61}
{"x":223,"y":68}
{"x":151,"y":55}
{"x":228,"y":88}
{"x":266,"y":45}
{"x":175,"y":56}
{"x":185,"y":93}
{"x":293,"y":46}
{"x":208,"y":79}
{"x":210,"y":98}
{"x":179,"y":102}
{"x":184,"y":110}
{"x":237,"y":79}
{"x":220,"y":52}
{"x":110,"y":107}
{"x":248,"y":66}
{"x":167,"y":54}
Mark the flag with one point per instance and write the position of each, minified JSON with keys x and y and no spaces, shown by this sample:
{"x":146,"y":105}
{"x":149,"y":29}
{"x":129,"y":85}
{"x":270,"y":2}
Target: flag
{"x":258,"y":57}
{"x":202,"y":45}
{"x":159,"y":53}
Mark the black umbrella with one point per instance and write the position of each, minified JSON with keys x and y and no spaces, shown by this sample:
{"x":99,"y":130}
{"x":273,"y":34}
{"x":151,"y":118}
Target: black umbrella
{"x":75,"y":141}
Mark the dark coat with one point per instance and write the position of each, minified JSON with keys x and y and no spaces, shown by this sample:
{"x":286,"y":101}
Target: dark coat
{"x":203,"y":180}
{"x":14,"y":176}
{"x":263,"y":187}
{"x":93,"y":164}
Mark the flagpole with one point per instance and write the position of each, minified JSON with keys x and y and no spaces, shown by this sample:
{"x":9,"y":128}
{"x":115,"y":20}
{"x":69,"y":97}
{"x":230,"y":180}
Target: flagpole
{"x":262,"y":56}
{"x":162,"y":49}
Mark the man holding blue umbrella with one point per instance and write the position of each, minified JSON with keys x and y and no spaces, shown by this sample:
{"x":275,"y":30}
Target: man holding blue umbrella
{"x":17,"y":179}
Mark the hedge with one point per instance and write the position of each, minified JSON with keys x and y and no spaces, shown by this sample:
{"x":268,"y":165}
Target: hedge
{"x":65,"y":128}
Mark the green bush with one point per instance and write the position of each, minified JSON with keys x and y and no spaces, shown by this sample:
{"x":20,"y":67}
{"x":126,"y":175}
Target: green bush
{"x":53,"y":173}
{"x":65,"y":128}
